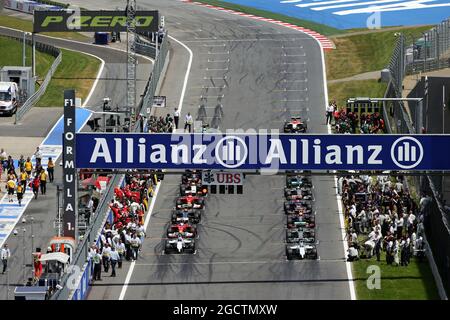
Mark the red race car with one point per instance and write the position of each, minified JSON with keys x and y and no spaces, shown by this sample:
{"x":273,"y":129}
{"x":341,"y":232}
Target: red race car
{"x":184,"y":230}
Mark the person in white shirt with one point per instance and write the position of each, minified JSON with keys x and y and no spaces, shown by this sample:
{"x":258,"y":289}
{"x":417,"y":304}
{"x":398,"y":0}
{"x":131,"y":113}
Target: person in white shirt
{"x":135,"y":245}
{"x":121,"y":251}
{"x":5,"y":255}
{"x":188,"y":121}
{"x":106,"y":256}
{"x":38,"y":154}
{"x":329,"y":114}
{"x":114,"y":256}
{"x":176,"y":117}
{"x":352,"y":254}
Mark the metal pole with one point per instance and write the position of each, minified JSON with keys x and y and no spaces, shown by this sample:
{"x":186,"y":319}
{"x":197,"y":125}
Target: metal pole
{"x":23,"y":256}
{"x":33,"y":55}
{"x":32,"y":235}
{"x":58,"y":211}
{"x":425,"y":53}
{"x":24,"y":52}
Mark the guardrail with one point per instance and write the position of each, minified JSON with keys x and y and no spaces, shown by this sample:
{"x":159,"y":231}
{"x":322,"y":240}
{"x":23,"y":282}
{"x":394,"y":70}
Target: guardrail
{"x":431,"y":52}
{"x":31,"y":101}
{"x":81,"y":262}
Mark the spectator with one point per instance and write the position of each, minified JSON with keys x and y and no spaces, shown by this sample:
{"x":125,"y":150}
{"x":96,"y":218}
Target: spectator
{"x":5,"y":255}
{"x":43,"y":181}
{"x":3,"y":158}
{"x":20,"y":190}
{"x":11,"y":188}
{"x":176,"y":117}
{"x":329,"y":113}
{"x":38,"y":154}
{"x":50,"y":169}
{"x":135,"y":245}
{"x":28,"y":167}
{"x":352,"y":254}
{"x":97,"y":260}
{"x":106,"y":256}
{"x":188,"y":121}
{"x":35,"y":186}
{"x":114,"y":256}
{"x":23,"y":179}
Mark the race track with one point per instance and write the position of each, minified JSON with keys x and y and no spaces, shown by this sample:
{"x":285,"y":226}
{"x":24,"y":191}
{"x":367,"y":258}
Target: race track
{"x":262,"y":74}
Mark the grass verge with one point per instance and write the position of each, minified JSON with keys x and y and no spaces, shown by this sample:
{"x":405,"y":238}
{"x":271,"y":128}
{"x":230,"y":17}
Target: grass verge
{"x":27,"y":25}
{"x":76,"y":64}
{"x":413,"y":282}
{"x":12,"y":56}
{"x":341,"y":91}
{"x":366,"y":52}
{"x":320,"y":28}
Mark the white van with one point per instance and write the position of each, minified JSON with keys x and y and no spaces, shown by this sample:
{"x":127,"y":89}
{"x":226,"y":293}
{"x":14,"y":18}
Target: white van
{"x":9,"y":95}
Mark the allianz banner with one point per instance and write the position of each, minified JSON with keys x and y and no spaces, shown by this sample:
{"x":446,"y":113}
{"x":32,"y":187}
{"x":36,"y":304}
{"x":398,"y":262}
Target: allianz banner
{"x":262,"y":151}
{"x":92,"y":21}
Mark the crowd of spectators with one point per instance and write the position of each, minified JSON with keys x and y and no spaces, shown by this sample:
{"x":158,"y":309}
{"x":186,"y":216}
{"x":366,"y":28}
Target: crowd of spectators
{"x":121,"y":239}
{"x":161,"y":124}
{"x":22,"y":173}
{"x":381,"y":216}
{"x":350,"y":122}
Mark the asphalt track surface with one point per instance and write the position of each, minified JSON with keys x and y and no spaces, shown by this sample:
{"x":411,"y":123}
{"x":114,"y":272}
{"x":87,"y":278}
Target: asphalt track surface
{"x":264,"y":74}
{"x":44,"y":208}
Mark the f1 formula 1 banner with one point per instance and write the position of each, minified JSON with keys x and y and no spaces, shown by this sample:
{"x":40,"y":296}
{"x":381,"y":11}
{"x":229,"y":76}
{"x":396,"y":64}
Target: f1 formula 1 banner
{"x":271,"y":151}
{"x":94,"y":21}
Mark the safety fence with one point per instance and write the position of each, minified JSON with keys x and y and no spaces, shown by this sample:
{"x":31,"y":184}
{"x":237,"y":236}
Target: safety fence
{"x":33,"y":99}
{"x":76,"y":283}
{"x":431,"y":52}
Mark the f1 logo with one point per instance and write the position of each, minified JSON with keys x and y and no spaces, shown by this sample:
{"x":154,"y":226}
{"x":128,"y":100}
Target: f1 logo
{"x":407,"y":152}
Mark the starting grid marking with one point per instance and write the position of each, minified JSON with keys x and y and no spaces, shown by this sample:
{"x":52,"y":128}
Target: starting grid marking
{"x":325,"y":43}
{"x":346,"y":14}
{"x":11,"y":212}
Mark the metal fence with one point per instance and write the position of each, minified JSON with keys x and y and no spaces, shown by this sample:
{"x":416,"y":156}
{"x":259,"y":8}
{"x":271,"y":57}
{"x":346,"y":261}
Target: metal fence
{"x":81,"y":259}
{"x":31,"y":101}
{"x":428,"y":53}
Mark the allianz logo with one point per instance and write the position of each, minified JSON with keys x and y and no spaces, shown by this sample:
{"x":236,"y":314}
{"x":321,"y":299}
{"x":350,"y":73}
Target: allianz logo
{"x":233,"y":152}
{"x":346,"y":7}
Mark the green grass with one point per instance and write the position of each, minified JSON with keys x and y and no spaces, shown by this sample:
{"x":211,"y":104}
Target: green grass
{"x":341,"y":91}
{"x":320,"y":28}
{"x":414,"y":282}
{"x":73,"y":65}
{"x":364,"y":52}
{"x":27,"y":25}
{"x":11,"y":55}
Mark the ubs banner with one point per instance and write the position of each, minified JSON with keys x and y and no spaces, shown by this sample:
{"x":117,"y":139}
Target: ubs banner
{"x":263,"y":151}
{"x":92,"y":21}
{"x":69,"y":171}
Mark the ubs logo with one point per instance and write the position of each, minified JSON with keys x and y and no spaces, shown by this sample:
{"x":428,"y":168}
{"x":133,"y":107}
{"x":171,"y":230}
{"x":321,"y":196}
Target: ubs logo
{"x":407,"y":152}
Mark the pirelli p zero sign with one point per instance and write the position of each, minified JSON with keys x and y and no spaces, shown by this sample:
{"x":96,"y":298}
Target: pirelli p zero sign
{"x":92,"y":21}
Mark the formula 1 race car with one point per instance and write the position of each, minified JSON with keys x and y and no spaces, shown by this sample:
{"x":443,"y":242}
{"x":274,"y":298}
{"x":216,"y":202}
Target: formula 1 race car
{"x":296,"y":193}
{"x":298,"y":220}
{"x":195,"y":189}
{"x":191,"y":176}
{"x":296,"y":234}
{"x":180,"y":245}
{"x":184,"y":230}
{"x":187,"y":215}
{"x":190,"y":201}
{"x":300,"y":251}
{"x":298,"y":182}
{"x":295,"y":125}
{"x":297,"y":206}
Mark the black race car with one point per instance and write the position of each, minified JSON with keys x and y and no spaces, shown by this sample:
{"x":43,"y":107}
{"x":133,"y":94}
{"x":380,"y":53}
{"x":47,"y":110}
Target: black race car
{"x":187,"y":215}
{"x":297,"y":206}
{"x":298,"y":194}
{"x":298,"y":182}
{"x":296,"y":234}
{"x":191,"y":176}
{"x":295,"y":125}
{"x":300,"y":251}
{"x":296,"y":220}
{"x":180,"y":245}
{"x":193,"y":188}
